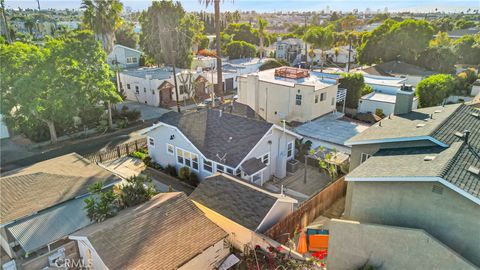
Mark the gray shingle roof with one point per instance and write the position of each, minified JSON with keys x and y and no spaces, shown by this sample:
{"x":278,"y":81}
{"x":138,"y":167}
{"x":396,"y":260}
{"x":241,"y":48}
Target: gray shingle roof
{"x":163,"y":233}
{"x":402,"y":68}
{"x":48,"y":183}
{"x":216,"y":135}
{"x":234,"y":199}
{"x":252,"y":166}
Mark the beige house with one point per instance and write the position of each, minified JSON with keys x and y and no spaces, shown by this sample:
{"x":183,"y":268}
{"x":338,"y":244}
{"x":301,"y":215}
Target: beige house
{"x":421,"y":170}
{"x":287,"y":93}
{"x":167,"y":232}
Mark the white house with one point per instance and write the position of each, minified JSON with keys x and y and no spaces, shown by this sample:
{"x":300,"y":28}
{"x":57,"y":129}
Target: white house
{"x":124,"y":57}
{"x":212,"y":141}
{"x":288,"y":93}
{"x":289,"y":49}
{"x":241,"y":208}
{"x":167,"y":232}
{"x":156,"y":86}
{"x":337,"y":55}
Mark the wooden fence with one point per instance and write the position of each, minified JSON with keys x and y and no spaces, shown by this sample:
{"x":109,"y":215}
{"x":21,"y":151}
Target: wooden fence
{"x":308,"y":211}
{"x":117,"y":152}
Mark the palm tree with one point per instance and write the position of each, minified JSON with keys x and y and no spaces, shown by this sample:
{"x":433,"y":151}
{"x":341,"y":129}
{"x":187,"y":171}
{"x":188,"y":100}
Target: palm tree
{"x":103,"y":18}
{"x":262,"y":24}
{"x":216,"y":6}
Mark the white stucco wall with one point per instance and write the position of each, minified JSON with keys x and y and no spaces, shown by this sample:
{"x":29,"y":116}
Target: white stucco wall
{"x":209,"y":258}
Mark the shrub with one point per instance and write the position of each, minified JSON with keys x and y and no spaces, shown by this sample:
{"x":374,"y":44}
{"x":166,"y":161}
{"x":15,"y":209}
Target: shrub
{"x":379,"y":113}
{"x":138,"y":189}
{"x":156,"y":166}
{"x":171,"y":170}
{"x":139,"y":155}
{"x":184,"y":174}
{"x":193,"y":179}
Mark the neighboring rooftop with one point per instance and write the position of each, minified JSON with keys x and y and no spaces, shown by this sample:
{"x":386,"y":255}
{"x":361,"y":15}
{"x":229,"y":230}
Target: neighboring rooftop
{"x":240,"y":109}
{"x":218,"y":134}
{"x":163,"y":233}
{"x":154,"y":72}
{"x":29,"y":190}
{"x":271,"y":76}
{"x":376,"y":96}
{"x":420,"y":122}
{"x":236,"y":199}
{"x":402,"y":68}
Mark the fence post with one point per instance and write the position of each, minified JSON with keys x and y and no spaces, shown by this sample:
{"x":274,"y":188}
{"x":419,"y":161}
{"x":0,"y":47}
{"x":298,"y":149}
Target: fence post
{"x":126,"y":147}
{"x":136,"y":145}
{"x":118,"y":151}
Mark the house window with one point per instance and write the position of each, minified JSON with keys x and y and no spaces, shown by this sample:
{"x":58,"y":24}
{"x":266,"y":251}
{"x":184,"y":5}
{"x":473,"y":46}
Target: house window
{"x":128,"y":86}
{"x":266,"y":158}
{"x":364,"y":157}
{"x":180,"y":156}
{"x":137,"y":90}
{"x":170,"y":149}
{"x":220,"y":168}
{"x":144,"y":89}
{"x":323,"y":96}
{"x":298,"y":99}
{"x":230,"y":171}
{"x":151,"y":142}
{"x":187,"y":159}
{"x":290,"y":149}
{"x":316,"y":98}
{"x":153,"y":92}
{"x":256,"y":178}
{"x":194,"y":161}
{"x":182,"y":89}
{"x":207,"y":165}
{"x":238,"y":173}
{"x":131,"y":60}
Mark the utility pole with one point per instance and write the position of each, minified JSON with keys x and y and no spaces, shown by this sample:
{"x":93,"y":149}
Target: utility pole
{"x":306,"y":53}
{"x":349,"y":52}
{"x":38,"y":3}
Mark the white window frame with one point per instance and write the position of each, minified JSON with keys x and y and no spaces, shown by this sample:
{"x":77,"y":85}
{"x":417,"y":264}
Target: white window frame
{"x":260,"y":173}
{"x":364,"y":157}
{"x":323,"y":96}
{"x":177,"y":156}
{"x":131,"y":60}
{"x":206,"y":165}
{"x":151,"y":142}
{"x":218,"y":170}
{"x":190,"y":159}
{"x":168,"y":149}
{"x":292,"y":143}
{"x":298,"y":99}
{"x":262,"y":158}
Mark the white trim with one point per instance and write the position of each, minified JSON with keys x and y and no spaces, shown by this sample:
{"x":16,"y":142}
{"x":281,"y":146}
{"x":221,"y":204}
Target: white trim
{"x":402,"y":139}
{"x":190,"y":159}
{"x":416,"y":179}
{"x":173,"y":150}
{"x":296,"y":135}
{"x":266,"y":215}
{"x":293,"y":149}
{"x":125,"y":47}
{"x":262,"y":156}
{"x":256,"y":145}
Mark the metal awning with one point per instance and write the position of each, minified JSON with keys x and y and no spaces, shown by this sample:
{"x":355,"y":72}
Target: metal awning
{"x":48,"y":226}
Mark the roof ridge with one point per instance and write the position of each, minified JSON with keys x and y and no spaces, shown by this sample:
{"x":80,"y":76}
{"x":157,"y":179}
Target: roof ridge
{"x":449,"y":164}
{"x":441,"y":124}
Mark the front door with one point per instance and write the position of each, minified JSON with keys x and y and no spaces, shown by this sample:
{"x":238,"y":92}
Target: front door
{"x":165,"y":96}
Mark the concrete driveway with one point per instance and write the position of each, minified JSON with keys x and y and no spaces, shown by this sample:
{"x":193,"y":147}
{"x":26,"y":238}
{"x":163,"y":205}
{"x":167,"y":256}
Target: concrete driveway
{"x":148,"y":112}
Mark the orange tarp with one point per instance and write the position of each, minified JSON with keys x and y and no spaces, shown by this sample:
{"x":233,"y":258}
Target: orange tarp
{"x":317,"y":242}
{"x":302,"y":243}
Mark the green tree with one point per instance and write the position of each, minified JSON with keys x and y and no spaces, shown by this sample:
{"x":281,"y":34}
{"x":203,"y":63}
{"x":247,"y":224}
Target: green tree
{"x":441,"y":59}
{"x":319,"y":37}
{"x":136,"y":190}
{"x":102,"y":203}
{"x":373,"y":47}
{"x":125,"y":35}
{"x":262,"y":25}
{"x":433,"y":90}
{"x":464,"y":24}
{"x":441,"y":40}
{"x":443,"y":24}
{"x":55,"y":83}
{"x":240,"y":49}
{"x":103,"y":18}
{"x":467,"y":49}
{"x":272,"y":64}
{"x":354,"y":83}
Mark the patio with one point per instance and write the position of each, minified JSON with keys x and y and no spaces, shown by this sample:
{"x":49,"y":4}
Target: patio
{"x":294,"y":184}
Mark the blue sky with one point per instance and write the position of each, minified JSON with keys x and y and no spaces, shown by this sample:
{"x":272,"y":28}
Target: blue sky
{"x":281,"y":5}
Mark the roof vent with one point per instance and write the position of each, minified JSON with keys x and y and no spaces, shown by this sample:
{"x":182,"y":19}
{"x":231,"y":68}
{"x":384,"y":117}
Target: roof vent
{"x":420,"y":125}
{"x":475,"y":114}
{"x":474,"y":170}
{"x":428,"y":158}
{"x":458,"y":134}
{"x":437,"y":111}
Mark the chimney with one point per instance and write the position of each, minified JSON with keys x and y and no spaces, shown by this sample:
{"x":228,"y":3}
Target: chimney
{"x":404,"y":101}
{"x":466,"y":134}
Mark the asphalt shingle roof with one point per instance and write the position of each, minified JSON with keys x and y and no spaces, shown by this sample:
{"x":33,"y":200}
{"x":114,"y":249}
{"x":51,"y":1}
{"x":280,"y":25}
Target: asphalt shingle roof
{"x":215,"y":136}
{"x":399,"y":67}
{"x":234,"y":199}
{"x":163,"y":233}
{"x":45,"y":184}
{"x":252,"y":166}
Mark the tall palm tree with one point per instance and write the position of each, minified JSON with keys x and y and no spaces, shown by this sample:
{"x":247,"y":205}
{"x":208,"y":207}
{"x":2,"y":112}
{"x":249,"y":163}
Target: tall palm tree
{"x":103,"y":18}
{"x":262,"y":24}
{"x":216,"y":6}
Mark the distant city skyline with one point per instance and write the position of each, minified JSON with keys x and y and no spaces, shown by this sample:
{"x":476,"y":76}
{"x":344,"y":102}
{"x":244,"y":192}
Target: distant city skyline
{"x":271,"y":6}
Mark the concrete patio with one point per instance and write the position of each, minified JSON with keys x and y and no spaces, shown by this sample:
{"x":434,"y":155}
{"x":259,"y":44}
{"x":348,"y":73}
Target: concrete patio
{"x":294,"y":184}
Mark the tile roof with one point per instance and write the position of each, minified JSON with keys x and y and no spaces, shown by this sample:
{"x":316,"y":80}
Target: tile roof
{"x":45,"y":184}
{"x":235,"y":199}
{"x":55,"y":223}
{"x":252,"y":166}
{"x":215,"y":135}
{"x":163,"y":233}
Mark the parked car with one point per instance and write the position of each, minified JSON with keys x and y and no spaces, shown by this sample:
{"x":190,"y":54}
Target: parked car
{"x":208,"y":102}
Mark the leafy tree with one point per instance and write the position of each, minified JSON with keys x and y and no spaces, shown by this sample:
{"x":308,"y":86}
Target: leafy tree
{"x":262,"y":24}
{"x":272,"y":64}
{"x":441,"y":59}
{"x":302,"y":148}
{"x":240,"y":49}
{"x":443,"y":24}
{"x":467,"y":48}
{"x":53,"y":84}
{"x":126,"y":36}
{"x":136,"y":190}
{"x":464,"y":24}
{"x":433,"y":90}
{"x":319,"y":37}
{"x":372,"y":48}
{"x":441,"y":40}
{"x":354,"y":83}
{"x":102,"y":203}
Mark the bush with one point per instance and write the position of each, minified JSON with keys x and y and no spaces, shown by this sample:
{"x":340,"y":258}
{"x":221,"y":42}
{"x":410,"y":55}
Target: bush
{"x":193,"y":179}
{"x":156,"y":166}
{"x":126,"y":114}
{"x":433,"y":90}
{"x":171,"y":170}
{"x":138,"y":189}
{"x":139,"y":155}
{"x":240,"y":49}
{"x":184,"y":174}
{"x":270,"y":64}
{"x":379,"y":113}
